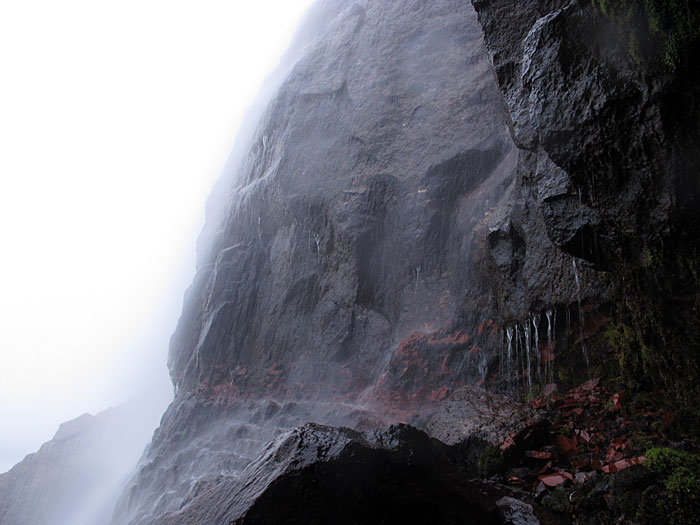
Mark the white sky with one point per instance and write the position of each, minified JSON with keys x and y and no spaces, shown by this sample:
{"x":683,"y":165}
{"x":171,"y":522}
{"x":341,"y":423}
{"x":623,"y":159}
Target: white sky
{"x":116,"y":117}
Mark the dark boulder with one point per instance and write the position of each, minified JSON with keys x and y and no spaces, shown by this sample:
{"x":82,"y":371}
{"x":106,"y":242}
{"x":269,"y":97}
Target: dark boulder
{"x":318,"y":474}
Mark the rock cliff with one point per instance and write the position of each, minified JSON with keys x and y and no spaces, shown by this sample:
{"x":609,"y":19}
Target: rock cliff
{"x":608,"y":172}
{"x":342,"y":281}
{"x":427,"y":201}
{"x":429,"y":196}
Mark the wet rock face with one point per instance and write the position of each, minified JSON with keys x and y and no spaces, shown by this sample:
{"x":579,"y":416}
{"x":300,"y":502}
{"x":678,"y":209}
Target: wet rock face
{"x":318,"y":474}
{"x":341,"y":258}
{"x":389,"y":217}
{"x":351,"y":219}
{"x":202,"y":444}
{"x":473,"y":412}
{"x":604,"y":141}
{"x":608,"y":175}
{"x":344,"y":254}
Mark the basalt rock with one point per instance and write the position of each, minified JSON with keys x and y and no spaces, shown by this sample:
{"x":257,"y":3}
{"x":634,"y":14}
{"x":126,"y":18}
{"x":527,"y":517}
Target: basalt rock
{"x":608,"y":173}
{"x":319,"y":474}
{"x":473,"y":412}
{"x":341,"y":260}
{"x":603,"y":140}
{"x":397,"y":222}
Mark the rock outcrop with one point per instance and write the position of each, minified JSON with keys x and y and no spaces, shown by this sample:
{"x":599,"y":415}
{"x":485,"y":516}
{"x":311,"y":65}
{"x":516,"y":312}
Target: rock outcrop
{"x":319,"y":474}
{"x":475,"y":413}
{"x":608,"y":172}
{"x":401,"y":222}
{"x":350,"y":224}
{"x":340,"y":266}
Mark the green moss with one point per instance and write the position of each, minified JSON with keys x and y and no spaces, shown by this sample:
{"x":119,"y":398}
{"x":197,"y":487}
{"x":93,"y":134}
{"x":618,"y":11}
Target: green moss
{"x":664,"y":461}
{"x":479,"y":458}
{"x":655,"y":335}
{"x":654,"y":31}
{"x":677,"y":499}
{"x":490,"y":461}
{"x":626,"y":489}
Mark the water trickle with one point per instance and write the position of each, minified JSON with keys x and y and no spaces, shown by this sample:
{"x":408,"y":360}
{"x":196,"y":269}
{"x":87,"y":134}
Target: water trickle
{"x":551,"y":342}
{"x":536,"y":348}
{"x":518,"y":355}
{"x":502,"y":356}
{"x":482,"y":367}
{"x":568,"y":323}
{"x":580,"y":312}
{"x":508,"y":370}
{"x":527,"y":363}
{"x":509,"y":335}
{"x":550,"y":348}
{"x":416,"y":274}
{"x":554,"y":344}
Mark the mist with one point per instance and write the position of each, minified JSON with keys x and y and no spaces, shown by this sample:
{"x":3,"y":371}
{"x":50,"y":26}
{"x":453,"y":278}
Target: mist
{"x":117,"y":119}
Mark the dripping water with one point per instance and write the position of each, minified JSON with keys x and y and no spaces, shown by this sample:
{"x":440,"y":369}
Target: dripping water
{"x":551,"y":327}
{"x":317,"y":238}
{"x":416,"y":274}
{"x":568,"y":324}
{"x":509,"y":336}
{"x":482,"y":366}
{"x":580,"y":312}
{"x":502,"y":364}
{"x":536,"y":347}
{"x":517,"y":355}
{"x":527,"y":363}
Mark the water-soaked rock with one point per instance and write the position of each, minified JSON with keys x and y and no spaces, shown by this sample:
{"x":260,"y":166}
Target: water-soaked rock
{"x":319,"y":474}
{"x":351,"y":223}
{"x":341,"y":259}
{"x":392,"y":227}
{"x":219,"y":440}
{"x":604,"y":170}
{"x":475,"y":412}
{"x":516,"y":512}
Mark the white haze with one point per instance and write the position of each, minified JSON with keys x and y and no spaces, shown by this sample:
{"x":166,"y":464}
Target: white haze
{"x":115,"y":120}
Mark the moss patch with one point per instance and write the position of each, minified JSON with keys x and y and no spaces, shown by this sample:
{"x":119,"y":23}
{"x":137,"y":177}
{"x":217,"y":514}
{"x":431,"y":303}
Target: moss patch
{"x":654,"y":31}
{"x":676,"y":499}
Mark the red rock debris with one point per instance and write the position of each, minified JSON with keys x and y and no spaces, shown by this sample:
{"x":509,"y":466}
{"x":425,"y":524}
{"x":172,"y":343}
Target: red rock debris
{"x":593,"y":431}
